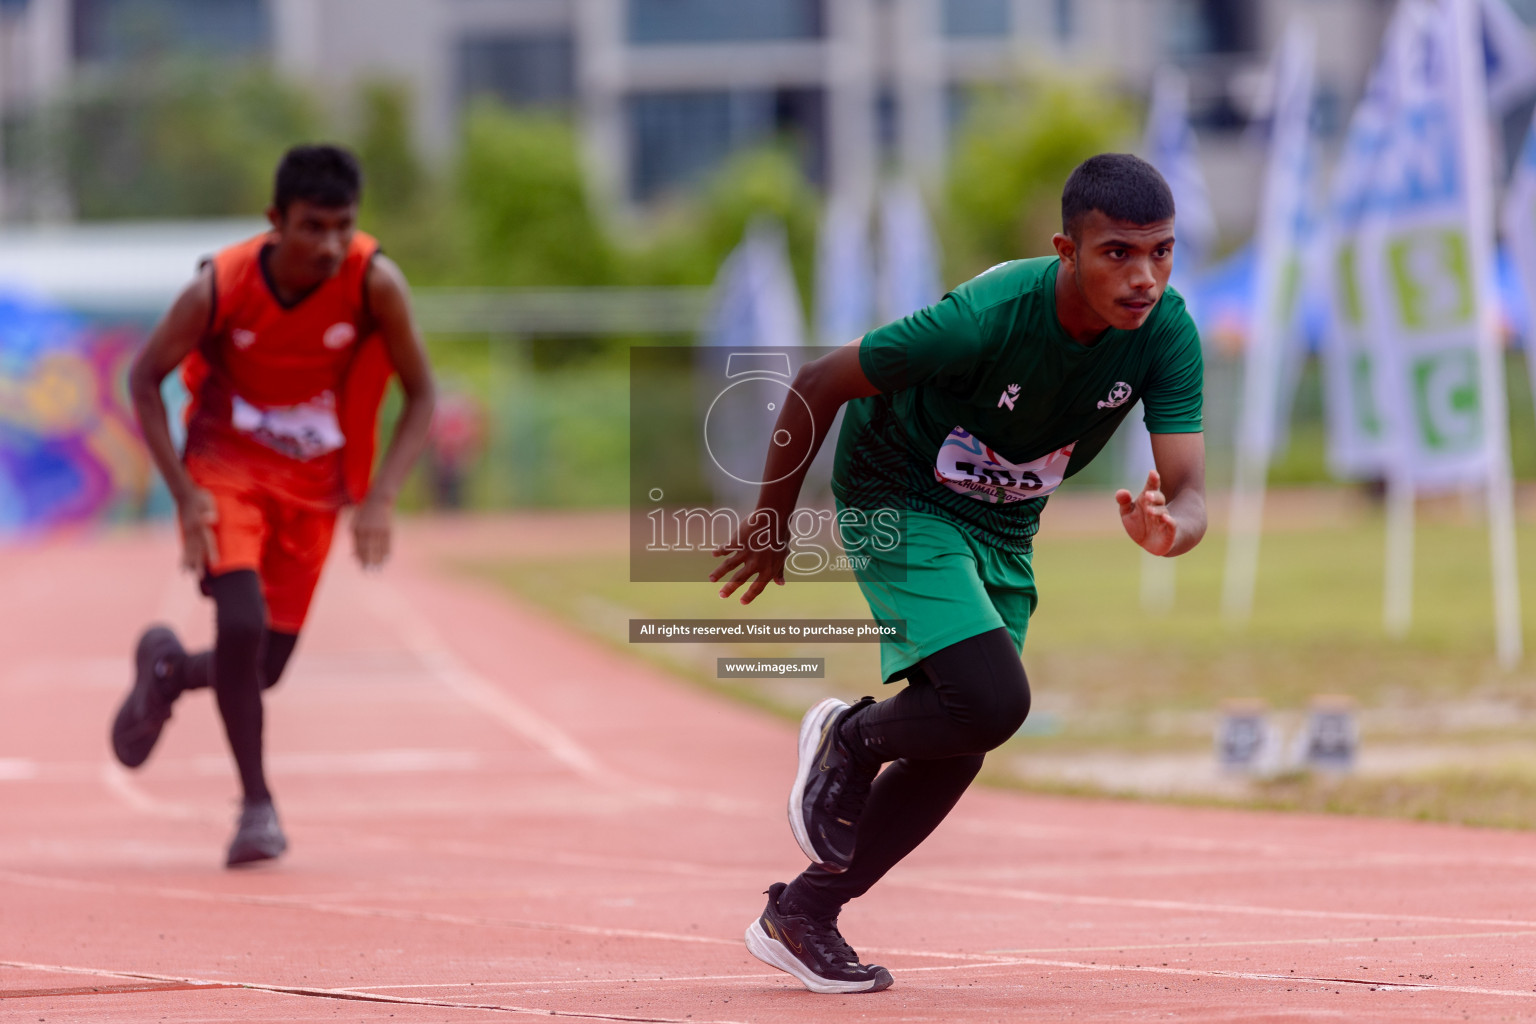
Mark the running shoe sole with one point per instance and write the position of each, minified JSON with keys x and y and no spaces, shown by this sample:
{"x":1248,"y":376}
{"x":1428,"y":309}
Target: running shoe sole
{"x":812,"y":726}
{"x":773,"y":953}
{"x":137,"y":726}
{"x":256,"y":841}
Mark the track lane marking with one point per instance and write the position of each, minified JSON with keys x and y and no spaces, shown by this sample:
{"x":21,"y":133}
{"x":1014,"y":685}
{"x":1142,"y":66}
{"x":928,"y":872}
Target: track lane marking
{"x":1513,"y":928}
{"x":1188,"y":906}
{"x":369,"y":994}
{"x":423,"y":641}
{"x":355,"y":995}
{"x":1219,"y":944}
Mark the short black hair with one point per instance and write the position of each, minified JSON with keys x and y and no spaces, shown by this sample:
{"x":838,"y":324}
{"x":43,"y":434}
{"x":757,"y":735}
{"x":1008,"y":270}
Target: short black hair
{"x":324,"y":175}
{"x":1118,"y":185}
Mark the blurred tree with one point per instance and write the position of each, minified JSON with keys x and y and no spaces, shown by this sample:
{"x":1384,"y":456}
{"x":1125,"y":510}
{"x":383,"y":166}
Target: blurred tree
{"x":757,"y":183}
{"x":1012,"y":156}
{"x":523,"y":210}
{"x":690,"y":239}
{"x":395,"y":180}
{"x":402,"y":203}
{"x":172,"y":140}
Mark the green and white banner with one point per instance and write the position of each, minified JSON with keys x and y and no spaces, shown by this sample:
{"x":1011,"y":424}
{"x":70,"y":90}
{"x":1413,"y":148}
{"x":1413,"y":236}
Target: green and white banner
{"x":1357,"y":438}
{"x":1416,"y":384}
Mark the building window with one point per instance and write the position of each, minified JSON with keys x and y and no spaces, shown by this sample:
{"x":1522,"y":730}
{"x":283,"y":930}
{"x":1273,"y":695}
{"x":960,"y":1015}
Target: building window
{"x":109,"y":30}
{"x":1066,"y":25}
{"x":1526,"y":9}
{"x":520,"y":70}
{"x":1213,"y":26}
{"x":715,"y":21}
{"x":972,"y":18}
{"x":677,"y":138}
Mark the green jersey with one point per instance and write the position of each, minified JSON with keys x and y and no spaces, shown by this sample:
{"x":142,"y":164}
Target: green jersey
{"x":987,"y":403}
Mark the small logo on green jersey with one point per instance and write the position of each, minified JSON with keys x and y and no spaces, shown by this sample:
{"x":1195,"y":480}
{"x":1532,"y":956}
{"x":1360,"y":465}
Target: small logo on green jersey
{"x":1118,"y":396}
{"x":1009,"y":397}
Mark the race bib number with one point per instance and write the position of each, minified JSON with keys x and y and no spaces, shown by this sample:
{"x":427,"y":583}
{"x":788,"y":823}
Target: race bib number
{"x":302,"y":432}
{"x":967,"y":466}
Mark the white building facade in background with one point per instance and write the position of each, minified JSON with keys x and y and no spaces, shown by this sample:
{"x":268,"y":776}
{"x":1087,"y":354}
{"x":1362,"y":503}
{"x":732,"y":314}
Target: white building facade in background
{"x":665,"y":89}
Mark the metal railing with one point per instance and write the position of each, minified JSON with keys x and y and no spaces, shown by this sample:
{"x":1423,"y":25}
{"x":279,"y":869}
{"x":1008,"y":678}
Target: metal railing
{"x":549,"y":312}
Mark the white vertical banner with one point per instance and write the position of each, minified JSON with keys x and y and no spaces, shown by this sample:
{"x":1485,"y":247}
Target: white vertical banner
{"x":1425,"y":262}
{"x":756,"y":305}
{"x":756,"y":302}
{"x":1476,"y":140}
{"x":1357,"y":439}
{"x":845,"y":278}
{"x":1169,"y":145}
{"x":1517,"y":219}
{"x":909,"y":254}
{"x":1282,"y":223}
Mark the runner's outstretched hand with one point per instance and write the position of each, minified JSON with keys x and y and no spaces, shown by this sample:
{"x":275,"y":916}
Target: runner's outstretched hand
{"x":197,"y":512}
{"x":371,"y":524}
{"x":750,"y":558}
{"x":1145,"y":517}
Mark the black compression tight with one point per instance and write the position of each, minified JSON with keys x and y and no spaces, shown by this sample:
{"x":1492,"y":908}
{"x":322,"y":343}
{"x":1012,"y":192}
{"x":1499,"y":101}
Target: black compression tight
{"x":959,"y":703}
{"x":246,"y":659}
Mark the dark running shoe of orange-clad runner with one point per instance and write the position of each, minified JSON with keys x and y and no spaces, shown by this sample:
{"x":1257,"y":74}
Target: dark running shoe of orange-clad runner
{"x":286,"y":342}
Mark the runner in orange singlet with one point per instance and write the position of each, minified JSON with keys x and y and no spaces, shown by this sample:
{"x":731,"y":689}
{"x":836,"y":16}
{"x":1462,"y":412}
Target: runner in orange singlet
{"x":286,"y":343}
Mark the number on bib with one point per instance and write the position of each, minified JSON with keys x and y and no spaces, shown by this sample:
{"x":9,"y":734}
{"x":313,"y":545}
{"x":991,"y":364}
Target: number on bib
{"x":304,"y":431}
{"x":966,"y":465}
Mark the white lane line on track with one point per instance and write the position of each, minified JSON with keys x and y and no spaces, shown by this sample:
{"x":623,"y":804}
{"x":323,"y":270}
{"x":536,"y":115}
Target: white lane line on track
{"x":122,"y":785}
{"x":1276,"y":853}
{"x":1003,"y":957}
{"x":350,"y":910}
{"x":1368,"y":984}
{"x":575,"y":982}
{"x":745,"y":874}
{"x":1188,"y":906}
{"x":1351,"y":940}
{"x":354,"y":995}
{"x":968,"y":961}
{"x":362,"y":911}
{"x":371,"y":995}
{"x":423,"y":641}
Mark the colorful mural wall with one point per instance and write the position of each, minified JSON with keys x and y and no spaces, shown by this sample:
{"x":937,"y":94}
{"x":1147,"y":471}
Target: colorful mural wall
{"x":69,"y":449}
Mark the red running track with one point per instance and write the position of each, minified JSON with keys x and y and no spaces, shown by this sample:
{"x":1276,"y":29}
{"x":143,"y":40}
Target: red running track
{"x":492,"y":819}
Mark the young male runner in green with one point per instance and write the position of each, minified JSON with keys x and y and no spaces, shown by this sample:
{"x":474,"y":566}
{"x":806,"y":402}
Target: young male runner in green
{"x":965,"y":416}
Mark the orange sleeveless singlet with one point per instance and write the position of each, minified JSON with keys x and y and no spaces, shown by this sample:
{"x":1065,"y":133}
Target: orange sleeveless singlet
{"x":290,"y":393}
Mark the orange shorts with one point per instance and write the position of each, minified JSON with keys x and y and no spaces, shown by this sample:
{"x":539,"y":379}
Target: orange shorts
{"x":263,"y":528}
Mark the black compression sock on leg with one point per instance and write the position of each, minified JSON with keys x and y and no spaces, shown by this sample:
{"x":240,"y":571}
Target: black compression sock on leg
{"x":906,"y":803}
{"x":197,"y":671}
{"x":279,"y":648}
{"x":237,"y":659}
{"x":802,"y":900}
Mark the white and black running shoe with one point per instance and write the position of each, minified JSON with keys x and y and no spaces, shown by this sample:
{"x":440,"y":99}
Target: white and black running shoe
{"x":813,"y":951}
{"x":830,"y":787}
